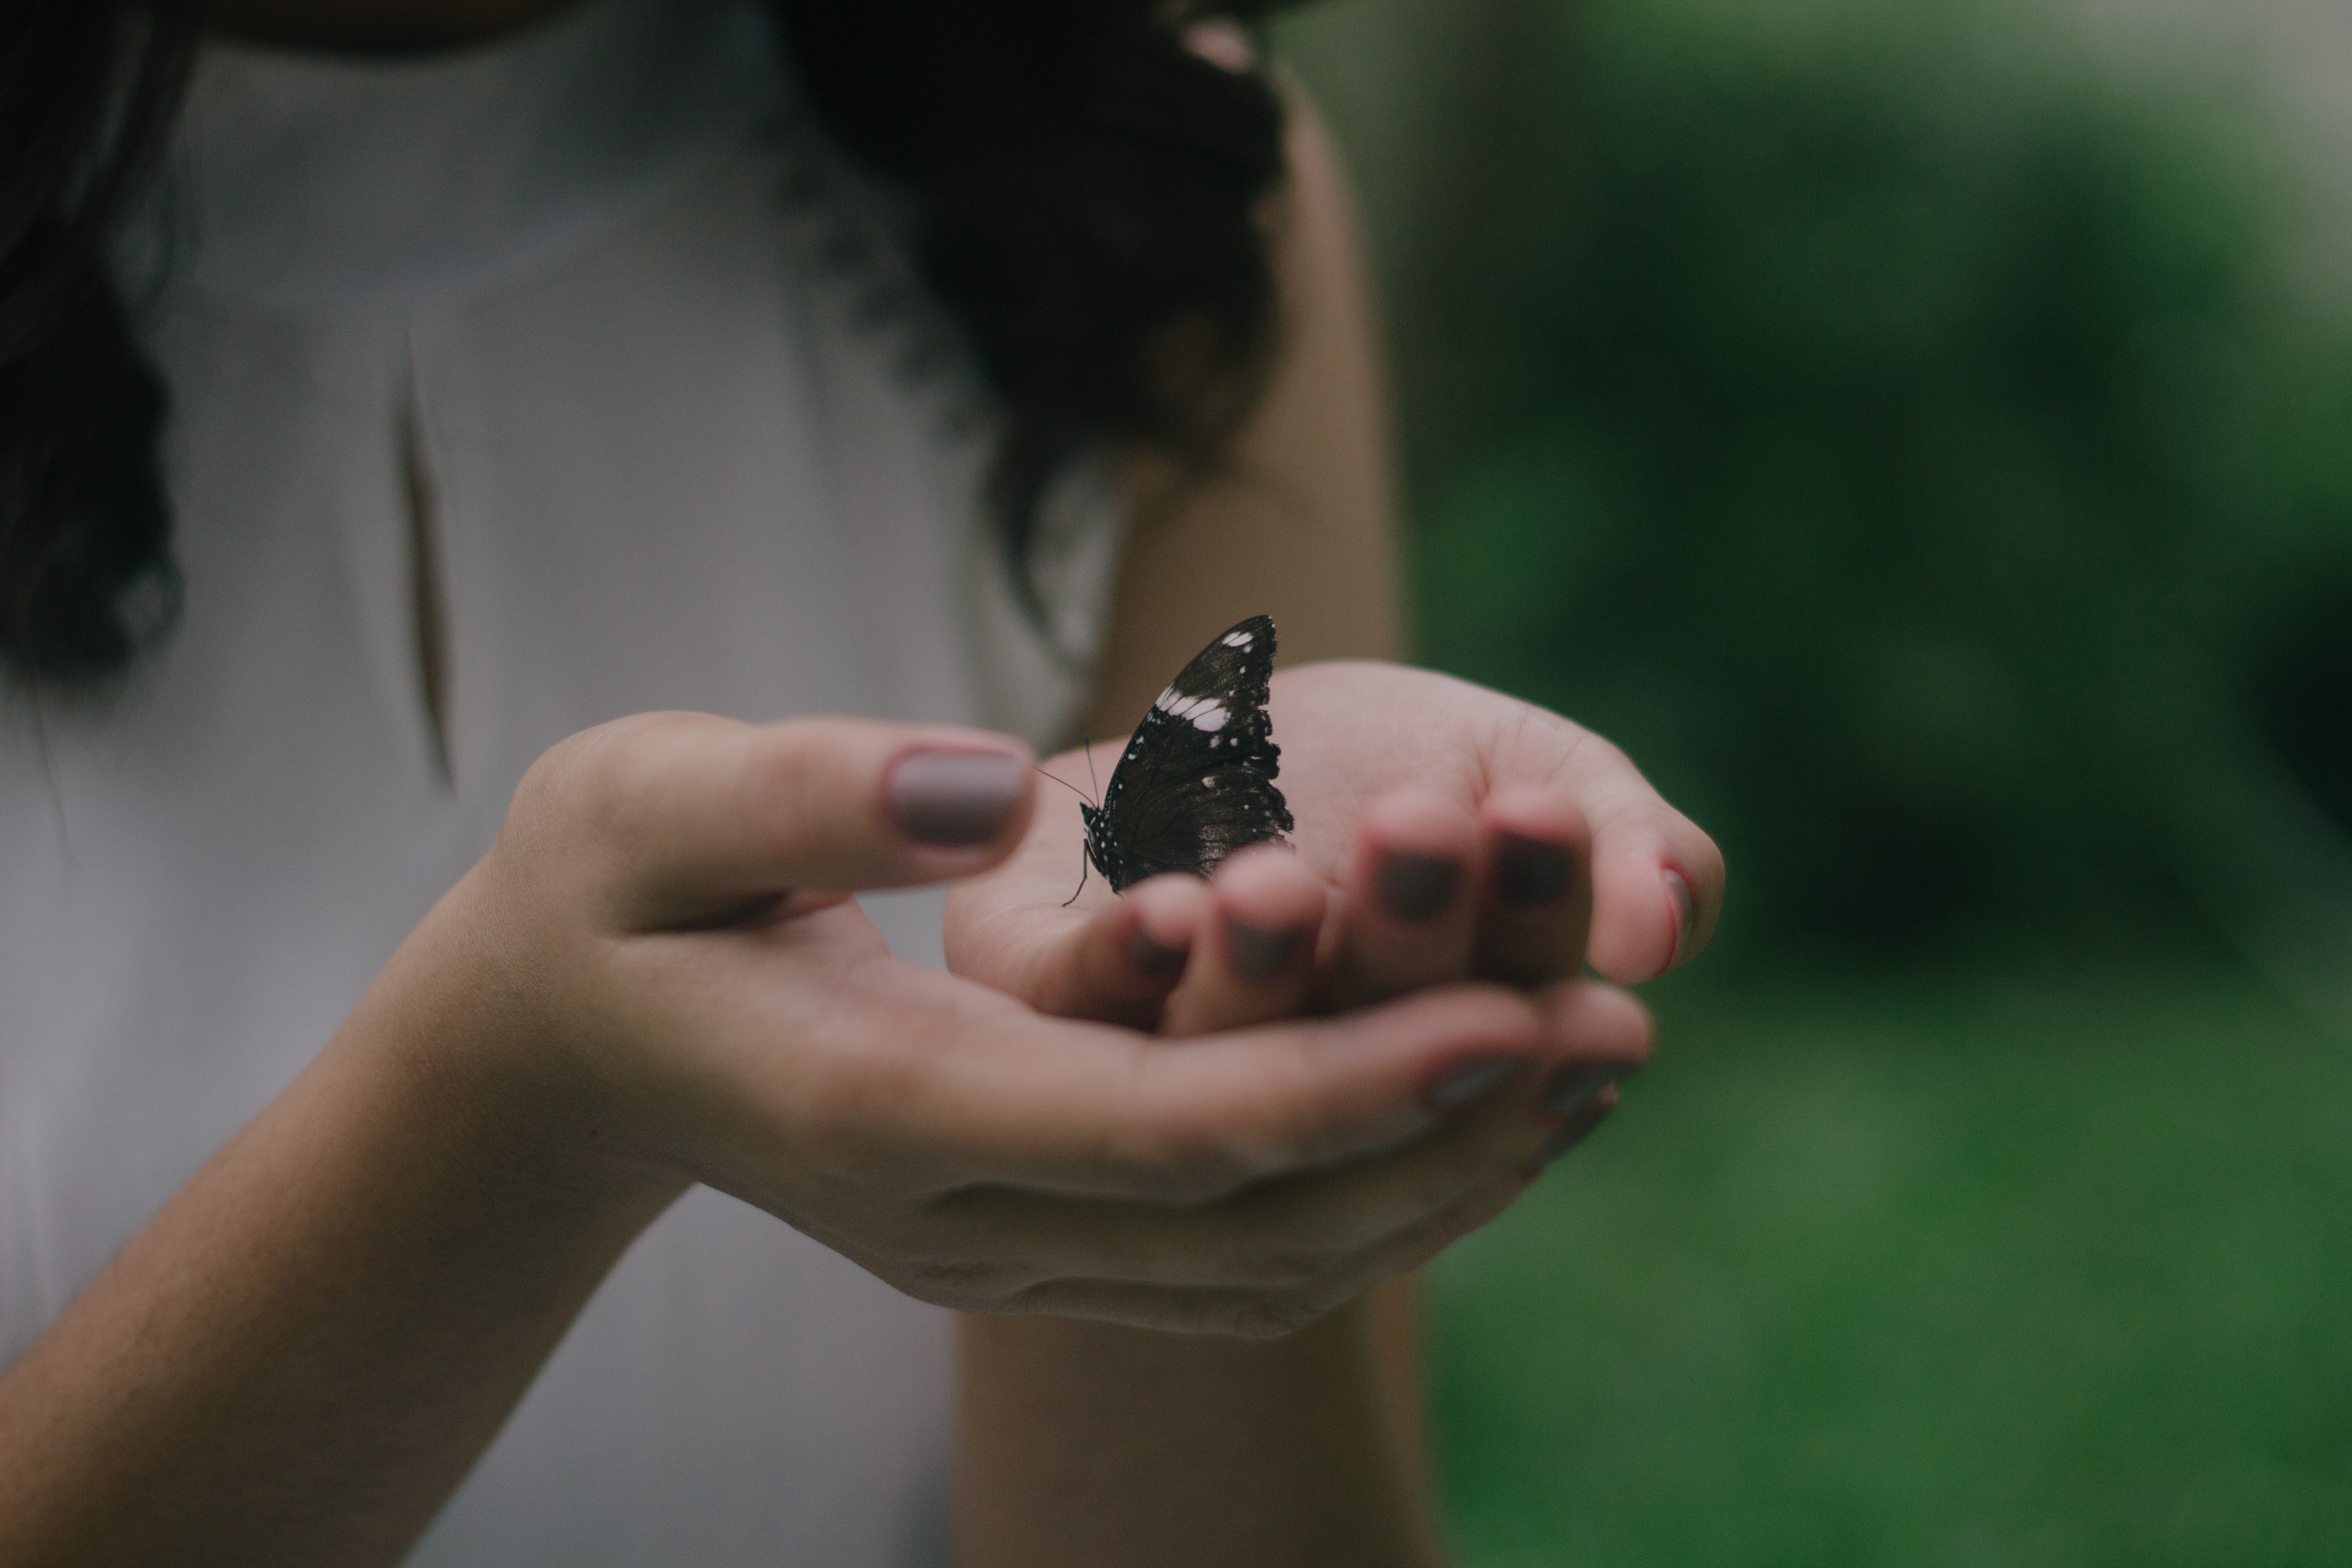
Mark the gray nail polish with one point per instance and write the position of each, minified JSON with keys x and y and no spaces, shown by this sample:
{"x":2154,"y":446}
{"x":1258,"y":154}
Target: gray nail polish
{"x":1416,"y":888}
{"x":1530,"y":873}
{"x":1151,"y":958}
{"x":1471,"y":1081}
{"x":1261,"y":955}
{"x":1573,"y":1087}
{"x":955,"y":799}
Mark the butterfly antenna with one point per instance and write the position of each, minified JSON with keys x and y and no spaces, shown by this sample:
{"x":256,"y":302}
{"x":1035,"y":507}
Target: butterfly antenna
{"x":1068,"y":785}
{"x":1096,"y":796}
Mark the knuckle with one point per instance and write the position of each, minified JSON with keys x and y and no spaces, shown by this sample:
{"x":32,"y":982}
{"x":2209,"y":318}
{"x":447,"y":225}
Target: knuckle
{"x":1045,"y":1298}
{"x":1248,"y":1127}
{"x":1206,"y":1172}
{"x":840,"y":1114}
{"x":1441,"y":1189}
{"x":1269,"y":1317}
{"x":1285,"y":1124}
{"x":966,"y":1284}
{"x":582,"y":806}
{"x":1295,"y":1134}
{"x":1279,"y":1266}
{"x":829,"y":1115}
{"x":613,"y":772}
{"x":781,"y":792}
{"x":1181,"y":1165}
{"x":565,"y":779}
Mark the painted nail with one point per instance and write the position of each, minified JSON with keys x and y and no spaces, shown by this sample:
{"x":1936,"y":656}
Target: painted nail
{"x":1151,"y":958}
{"x":1470,"y":1080}
{"x":1261,"y":955}
{"x":1574,"y":1087}
{"x":1530,"y":873}
{"x":1416,"y":888}
{"x":1564,"y":1140}
{"x":1678,"y":902}
{"x":955,"y":799}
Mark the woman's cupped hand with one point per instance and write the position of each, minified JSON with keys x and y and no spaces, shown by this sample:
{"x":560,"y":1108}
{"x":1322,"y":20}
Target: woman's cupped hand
{"x":1447,"y":834}
{"x":659,"y":976}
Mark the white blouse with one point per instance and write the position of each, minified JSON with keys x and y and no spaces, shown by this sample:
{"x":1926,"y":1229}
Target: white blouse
{"x":595,"y":309}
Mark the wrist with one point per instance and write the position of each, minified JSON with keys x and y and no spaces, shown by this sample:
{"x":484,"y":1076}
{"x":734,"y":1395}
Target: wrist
{"x":458,"y":1026}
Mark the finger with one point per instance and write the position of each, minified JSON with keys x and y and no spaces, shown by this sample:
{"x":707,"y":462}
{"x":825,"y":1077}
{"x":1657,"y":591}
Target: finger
{"x":1411,"y":916}
{"x":1657,"y":879}
{"x":1535,"y":899}
{"x":1656,"y":896}
{"x":1251,"y":1312}
{"x":701,"y":811}
{"x":1257,"y":963}
{"x":1005,"y":927}
{"x":1296,"y":1234}
{"x":1240,"y":1313}
{"x":1285,"y":1236}
{"x":1011,"y":1099}
{"x":1115,"y":964}
{"x":1571,"y":1133}
{"x":1401,"y":1254}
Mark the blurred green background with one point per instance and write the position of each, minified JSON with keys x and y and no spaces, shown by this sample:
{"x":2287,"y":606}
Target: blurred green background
{"x":1922,"y":435}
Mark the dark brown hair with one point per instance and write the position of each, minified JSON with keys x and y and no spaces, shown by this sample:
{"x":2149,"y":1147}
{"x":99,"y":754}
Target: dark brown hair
{"x":1087,"y":191}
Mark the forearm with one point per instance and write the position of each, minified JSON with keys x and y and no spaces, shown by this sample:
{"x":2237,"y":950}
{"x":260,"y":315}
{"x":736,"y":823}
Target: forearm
{"x":1300,"y":523}
{"x":1087,"y":1443}
{"x":302,"y":1354}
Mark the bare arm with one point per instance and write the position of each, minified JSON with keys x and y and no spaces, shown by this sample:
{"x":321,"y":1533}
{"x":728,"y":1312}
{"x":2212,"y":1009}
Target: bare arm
{"x":643,"y":987}
{"x":1087,"y":1443}
{"x":1303,"y":525}
{"x":303,"y":1353}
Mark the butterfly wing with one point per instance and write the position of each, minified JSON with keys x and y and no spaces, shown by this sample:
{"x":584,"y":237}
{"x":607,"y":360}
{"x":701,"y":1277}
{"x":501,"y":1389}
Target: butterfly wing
{"x":1197,"y":781}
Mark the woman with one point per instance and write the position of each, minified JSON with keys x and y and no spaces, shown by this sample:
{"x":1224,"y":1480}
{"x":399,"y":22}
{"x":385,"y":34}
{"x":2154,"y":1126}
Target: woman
{"x":533,"y":365}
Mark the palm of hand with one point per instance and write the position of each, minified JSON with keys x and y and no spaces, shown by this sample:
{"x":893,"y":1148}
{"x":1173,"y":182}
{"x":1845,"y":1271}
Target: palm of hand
{"x":678,"y":982}
{"x":1444,"y":832}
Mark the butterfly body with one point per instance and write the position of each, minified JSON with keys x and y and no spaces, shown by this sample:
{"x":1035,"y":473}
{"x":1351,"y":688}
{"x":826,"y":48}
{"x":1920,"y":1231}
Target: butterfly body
{"x":1197,"y":781}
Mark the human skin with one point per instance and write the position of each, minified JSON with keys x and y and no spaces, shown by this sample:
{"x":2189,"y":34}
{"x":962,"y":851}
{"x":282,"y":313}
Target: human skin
{"x":653,"y":980}
{"x":1140,"y":1448}
{"x":305,"y":1351}
{"x":1086,"y":1443}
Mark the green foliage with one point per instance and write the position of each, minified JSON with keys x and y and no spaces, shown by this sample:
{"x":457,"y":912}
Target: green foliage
{"x":1899,"y":439}
{"x":1951,"y":1276}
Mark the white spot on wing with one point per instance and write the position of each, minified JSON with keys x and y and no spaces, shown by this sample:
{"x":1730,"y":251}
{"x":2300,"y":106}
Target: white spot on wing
{"x":1206,"y":712}
{"x":1237,"y":640}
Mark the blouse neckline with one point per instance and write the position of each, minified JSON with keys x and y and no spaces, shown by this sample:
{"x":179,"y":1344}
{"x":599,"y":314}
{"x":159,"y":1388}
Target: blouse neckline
{"x":310,"y":179}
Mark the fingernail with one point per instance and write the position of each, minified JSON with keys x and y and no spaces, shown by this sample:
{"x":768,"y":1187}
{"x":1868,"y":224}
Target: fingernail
{"x":1415,"y":888}
{"x":1530,"y":873}
{"x":1152,"y":959}
{"x":1261,"y":955}
{"x":955,"y":799}
{"x":1564,"y":1140}
{"x":1574,"y":1086}
{"x":1458,"y":1086}
{"x":1678,"y":902}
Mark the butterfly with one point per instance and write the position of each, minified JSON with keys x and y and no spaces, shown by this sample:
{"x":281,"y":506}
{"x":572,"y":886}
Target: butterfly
{"x":1197,"y":781}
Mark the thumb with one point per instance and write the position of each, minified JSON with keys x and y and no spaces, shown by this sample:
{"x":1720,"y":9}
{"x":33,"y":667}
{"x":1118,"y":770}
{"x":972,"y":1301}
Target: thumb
{"x":709,"y":815}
